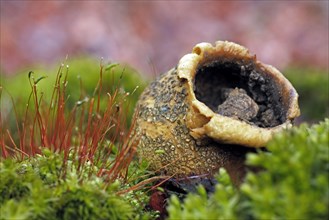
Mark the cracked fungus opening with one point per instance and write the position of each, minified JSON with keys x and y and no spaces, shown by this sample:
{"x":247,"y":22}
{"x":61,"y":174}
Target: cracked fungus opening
{"x":241,"y":91}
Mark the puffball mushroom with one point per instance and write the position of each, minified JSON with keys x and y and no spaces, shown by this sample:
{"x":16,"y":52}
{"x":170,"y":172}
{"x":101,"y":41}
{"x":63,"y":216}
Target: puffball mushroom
{"x":217,"y":104}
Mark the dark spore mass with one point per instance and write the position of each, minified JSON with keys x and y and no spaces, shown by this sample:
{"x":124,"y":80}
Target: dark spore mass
{"x":215,"y":79}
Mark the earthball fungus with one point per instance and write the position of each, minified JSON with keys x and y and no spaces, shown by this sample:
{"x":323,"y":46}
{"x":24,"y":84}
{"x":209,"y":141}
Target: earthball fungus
{"x":217,"y":104}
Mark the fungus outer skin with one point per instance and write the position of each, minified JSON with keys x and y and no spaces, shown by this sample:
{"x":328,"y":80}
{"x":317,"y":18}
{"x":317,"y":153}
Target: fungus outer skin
{"x":196,"y":140}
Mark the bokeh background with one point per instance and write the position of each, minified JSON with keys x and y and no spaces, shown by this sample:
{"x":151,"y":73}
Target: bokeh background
{"x":152,"y":36}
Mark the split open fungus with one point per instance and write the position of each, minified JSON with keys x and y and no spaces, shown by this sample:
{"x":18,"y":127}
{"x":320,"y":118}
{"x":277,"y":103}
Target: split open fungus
{"x":217,"y":104}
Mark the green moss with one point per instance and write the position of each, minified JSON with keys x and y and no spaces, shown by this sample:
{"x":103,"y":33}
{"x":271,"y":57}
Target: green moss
{"x":36,"y":189}
{"x":11,"y":185}
{"x":88,"y":202}
{"x":292,"y":184}
{"x":23,"y":194}
{"x":51,"y":185}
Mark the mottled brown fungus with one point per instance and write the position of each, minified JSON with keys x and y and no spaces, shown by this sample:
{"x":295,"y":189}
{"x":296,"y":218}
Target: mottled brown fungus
{"x":218,"y":104}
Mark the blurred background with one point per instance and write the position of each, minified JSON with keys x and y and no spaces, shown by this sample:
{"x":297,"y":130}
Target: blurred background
{"x":152,"y":36}
{"x":146,"y":34}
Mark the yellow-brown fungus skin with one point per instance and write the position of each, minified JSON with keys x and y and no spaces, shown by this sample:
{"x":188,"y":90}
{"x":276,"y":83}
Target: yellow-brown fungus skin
{"x":189,"y":123}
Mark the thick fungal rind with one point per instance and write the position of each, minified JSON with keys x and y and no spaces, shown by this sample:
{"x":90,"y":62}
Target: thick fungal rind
{"x":181,"y":131}
{"x":166,"y":141}
{"x":226,"y":129}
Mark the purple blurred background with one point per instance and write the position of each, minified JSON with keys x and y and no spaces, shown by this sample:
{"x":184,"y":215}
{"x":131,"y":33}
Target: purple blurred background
{"x":159,"y":33}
